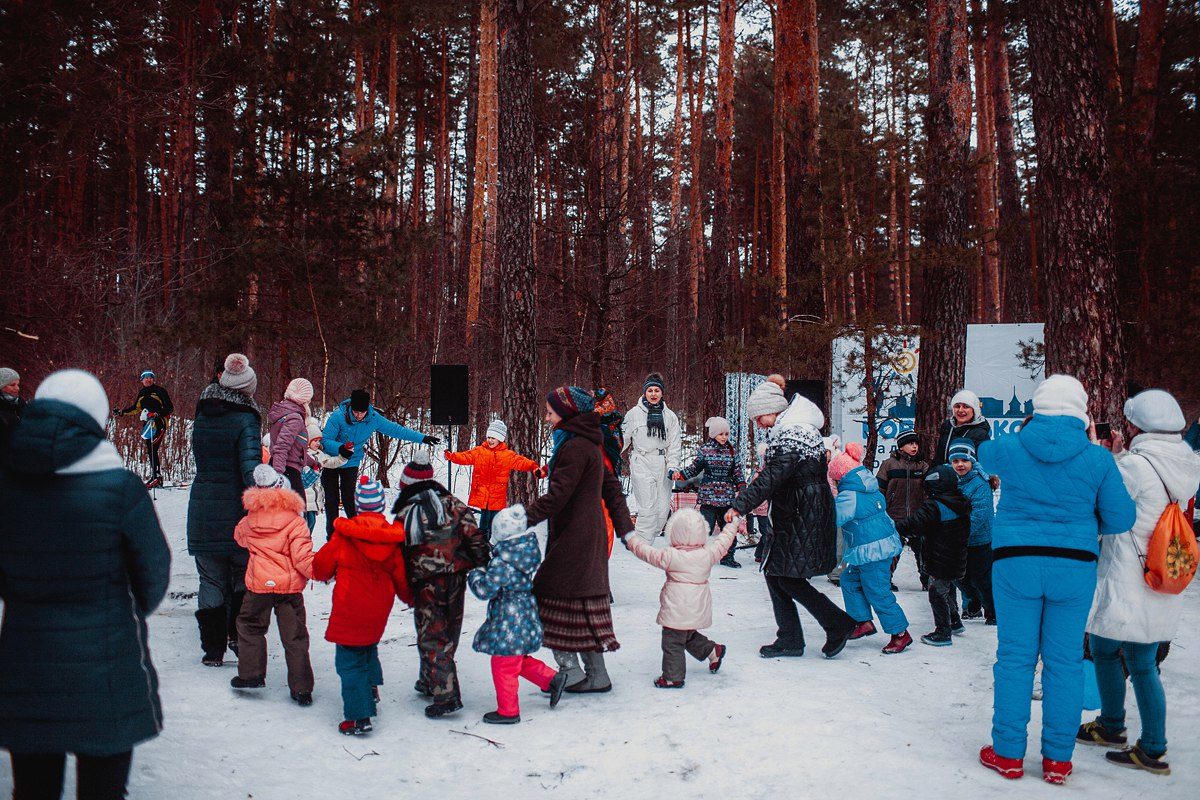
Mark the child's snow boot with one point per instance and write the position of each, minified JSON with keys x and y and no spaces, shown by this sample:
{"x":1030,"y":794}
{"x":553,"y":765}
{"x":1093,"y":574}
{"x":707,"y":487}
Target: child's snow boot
{"x":729,"y":561}
{"x":496,"y":718}
{"x":441,"y":709}
{"x":662,"y":683}
{"x":937,"y":639}
{"x":239,"y":682}
{"x":557,"y":684}
{"x":1011,"y":768}
{"x":422,"y":688}
{"x":898,"y":644}
{"x":356,"y":727}
{"x":1095,"y":733}
{"x":1135,"y":758}
{"x":862,"y":629}
{"x":1055,"y":772}
{"x":302,"y":698}
{"x":719,"y":651}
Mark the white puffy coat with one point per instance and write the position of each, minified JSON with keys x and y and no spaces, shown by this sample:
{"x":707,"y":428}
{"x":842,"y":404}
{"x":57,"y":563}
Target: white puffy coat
{"x":1125,"y":608}
{"x":650,"y":461}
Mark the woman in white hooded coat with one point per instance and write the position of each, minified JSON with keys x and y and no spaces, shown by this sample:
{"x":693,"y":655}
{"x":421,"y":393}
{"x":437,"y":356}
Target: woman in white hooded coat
{"x":655,"y":445}
{"x":1128,"y":618}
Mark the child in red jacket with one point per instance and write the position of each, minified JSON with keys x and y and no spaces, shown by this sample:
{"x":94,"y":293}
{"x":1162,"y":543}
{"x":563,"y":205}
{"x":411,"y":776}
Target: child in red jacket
{"x":493,"y":464}
{"x":364,"y":554}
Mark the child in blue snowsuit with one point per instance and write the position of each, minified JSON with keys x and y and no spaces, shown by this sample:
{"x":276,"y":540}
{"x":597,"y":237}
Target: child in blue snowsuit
{"x":1060,"y":493}
{"x":976,"y":587}
{"x":871,"y":544}
{"x":513,"y":629}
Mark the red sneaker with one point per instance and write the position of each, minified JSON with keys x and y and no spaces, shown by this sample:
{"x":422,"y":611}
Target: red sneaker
{"x":898,"y":644}
{"x":1011,"y":768}
{"x":1055,"y":772}
{"x":862,"y":629}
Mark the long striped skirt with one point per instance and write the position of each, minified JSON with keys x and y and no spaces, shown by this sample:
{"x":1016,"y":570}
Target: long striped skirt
{"x":577,"y":624}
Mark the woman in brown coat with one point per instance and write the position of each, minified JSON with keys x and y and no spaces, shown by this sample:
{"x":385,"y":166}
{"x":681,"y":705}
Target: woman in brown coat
{"x":572,"y":584}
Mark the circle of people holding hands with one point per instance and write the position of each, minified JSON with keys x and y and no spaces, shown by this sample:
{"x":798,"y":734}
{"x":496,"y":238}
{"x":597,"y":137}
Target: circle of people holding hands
{"x":1066,"y":551}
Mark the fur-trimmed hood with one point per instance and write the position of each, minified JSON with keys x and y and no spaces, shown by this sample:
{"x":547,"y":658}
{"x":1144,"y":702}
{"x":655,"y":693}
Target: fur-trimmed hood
{"x":257,"y":500}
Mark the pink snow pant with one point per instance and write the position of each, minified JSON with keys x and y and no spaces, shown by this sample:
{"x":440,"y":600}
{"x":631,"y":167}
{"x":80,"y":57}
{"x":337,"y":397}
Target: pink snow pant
{"x":506,"y":672}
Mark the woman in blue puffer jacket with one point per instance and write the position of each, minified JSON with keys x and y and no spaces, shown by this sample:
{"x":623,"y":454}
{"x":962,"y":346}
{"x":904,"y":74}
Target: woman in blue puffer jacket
{"x":871,"y":544}
{"x":1061,"y":493}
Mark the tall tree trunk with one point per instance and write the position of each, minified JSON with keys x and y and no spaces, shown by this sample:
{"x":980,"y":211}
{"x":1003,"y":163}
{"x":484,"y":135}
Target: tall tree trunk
{"x":1083,"y":335}
{"x":674,"y":245}
{"x":945,"y":307}
{"x":518,"y":341}
{"x":1143,"y":102}
{"x":1013,"y":232}
{"x":697,"y":84}
{"x":797,"y":59}
{"x":482,"y":187}
{"x":777,"y":170}
{"x":722,"y":261}
{"x":985,"y":172}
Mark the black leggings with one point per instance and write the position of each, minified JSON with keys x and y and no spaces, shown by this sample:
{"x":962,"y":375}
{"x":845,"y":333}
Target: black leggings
{"x":338,"y":484}
{"x":40,"y":776}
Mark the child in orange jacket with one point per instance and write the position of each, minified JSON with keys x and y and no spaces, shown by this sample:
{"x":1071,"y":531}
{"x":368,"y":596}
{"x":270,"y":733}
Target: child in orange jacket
{"x":364,"y":554}
{"x":493,"y":463}
{"x":280,"y":565}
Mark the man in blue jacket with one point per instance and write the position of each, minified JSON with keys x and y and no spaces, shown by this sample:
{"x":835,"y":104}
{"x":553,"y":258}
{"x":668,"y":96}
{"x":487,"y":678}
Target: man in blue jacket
{"x":1061,"y":493}
{"x":346,"y":432}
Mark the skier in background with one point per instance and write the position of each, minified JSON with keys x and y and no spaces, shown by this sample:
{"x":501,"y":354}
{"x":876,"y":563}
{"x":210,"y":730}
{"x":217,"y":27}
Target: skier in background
{"x":153,"y":405}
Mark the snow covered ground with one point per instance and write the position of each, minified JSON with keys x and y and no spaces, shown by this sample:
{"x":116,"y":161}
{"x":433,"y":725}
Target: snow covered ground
{"x":864,"y":724}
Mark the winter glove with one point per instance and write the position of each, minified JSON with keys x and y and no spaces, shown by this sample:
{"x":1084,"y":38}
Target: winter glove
{"x":541,"y":472}
{"x":446,"y":454}
{"x":346,"y":450}
{"x":116,"y":412}
{"x":431,"y":441}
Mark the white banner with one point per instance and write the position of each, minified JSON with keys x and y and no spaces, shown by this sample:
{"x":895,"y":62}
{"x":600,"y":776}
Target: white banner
{"x":1002,"y":366}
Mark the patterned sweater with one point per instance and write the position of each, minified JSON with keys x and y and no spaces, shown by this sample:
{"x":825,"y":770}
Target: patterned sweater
{"x":722,"y":474}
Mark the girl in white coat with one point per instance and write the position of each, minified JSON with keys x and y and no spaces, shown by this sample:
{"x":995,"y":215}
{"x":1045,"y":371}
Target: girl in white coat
{"x":1128,"y":617}
{"x":654,"y":440}
{"x":685,"y":603}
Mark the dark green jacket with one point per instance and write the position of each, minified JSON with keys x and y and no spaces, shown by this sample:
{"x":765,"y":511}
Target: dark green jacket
{"x":227,"y":445}
{"x":83,"y":561}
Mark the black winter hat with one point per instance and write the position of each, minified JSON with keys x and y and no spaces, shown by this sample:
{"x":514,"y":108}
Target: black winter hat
{"x":908,"y":437}
{"x":941,"y":480}
{"x":360,"y":400}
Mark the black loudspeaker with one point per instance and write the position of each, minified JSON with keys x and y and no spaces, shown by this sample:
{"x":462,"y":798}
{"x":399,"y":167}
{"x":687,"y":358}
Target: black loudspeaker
{"x":813,"y":390}
{"x":448,"y":394}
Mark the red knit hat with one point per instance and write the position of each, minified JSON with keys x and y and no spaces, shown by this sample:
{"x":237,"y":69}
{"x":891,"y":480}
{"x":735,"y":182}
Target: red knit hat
{"x":417,"y":470}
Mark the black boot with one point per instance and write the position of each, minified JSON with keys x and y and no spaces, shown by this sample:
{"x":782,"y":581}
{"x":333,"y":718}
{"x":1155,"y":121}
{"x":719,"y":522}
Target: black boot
{"x":212,"y":635}
{"x":235,"y":608}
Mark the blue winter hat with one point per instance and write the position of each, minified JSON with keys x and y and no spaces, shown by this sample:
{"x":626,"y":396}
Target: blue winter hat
{"x":147,"y":374}
{"x":567,"y":401}
{"x":962,"y":448}
{"x":368,"y":496}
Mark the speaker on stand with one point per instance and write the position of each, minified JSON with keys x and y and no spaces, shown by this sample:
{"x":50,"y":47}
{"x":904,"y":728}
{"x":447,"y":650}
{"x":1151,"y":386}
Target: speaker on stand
{"x":449,"y":403}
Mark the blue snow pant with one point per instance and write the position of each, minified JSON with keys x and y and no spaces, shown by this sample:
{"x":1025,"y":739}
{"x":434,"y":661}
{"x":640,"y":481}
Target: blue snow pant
{"x":1147,"y":688}
{"x":869,"y":586}
{"x":1042,"y":605}
{"x":360,"y":670}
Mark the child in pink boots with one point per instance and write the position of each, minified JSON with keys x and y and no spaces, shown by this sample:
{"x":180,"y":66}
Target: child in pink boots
{"x":686,"y":600}
{"x":513,"y":629}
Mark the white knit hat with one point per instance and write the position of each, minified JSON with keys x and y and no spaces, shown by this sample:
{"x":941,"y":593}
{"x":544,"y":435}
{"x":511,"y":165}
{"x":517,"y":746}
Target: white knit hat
{"x":509,"y":523}
{"x":1155,"y":411}
{"x":767,"y":398}
{"x":265,"y":477}
{"x":313,"y":429}
{"x":1061,"y":396}
{"x":967,"y":398}
{"x":238,"y":374}
{"x":7,"y":376}
{"x":715,"y":426}
{"x":300,"y":390}
{"x":497,"y":430}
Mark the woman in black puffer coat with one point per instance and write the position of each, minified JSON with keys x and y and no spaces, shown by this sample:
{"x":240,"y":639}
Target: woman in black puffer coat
{"x":227,"y":445}
{"x":83,"y":562}
{"x":803,"y":541}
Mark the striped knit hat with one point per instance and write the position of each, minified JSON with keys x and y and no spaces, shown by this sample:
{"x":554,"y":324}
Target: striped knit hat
{"x":368,"y":496}
{"x":961,"y":448}
{"x":417,"y":470}
{"x":568,"y":401}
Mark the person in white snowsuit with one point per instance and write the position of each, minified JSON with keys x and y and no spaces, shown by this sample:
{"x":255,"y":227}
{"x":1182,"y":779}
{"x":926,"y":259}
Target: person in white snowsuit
{"x":654,"y":442}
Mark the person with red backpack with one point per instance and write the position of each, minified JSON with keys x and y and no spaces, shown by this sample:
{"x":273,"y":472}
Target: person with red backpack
{"x":1129,"y":618}
{"x":365,"y":558}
